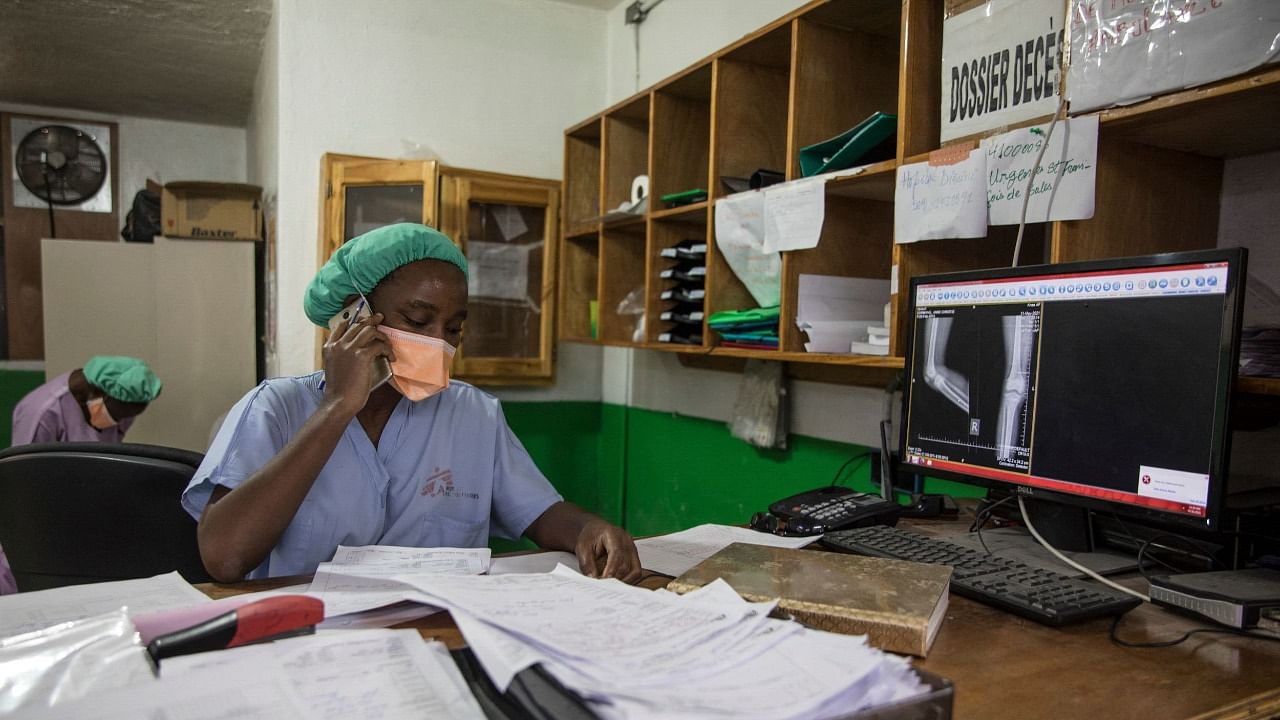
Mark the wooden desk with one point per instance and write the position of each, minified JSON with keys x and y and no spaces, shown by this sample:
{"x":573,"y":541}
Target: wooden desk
{"x":1006,"y":667}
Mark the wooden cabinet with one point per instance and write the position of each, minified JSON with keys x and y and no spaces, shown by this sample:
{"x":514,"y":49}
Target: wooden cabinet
{"x":507,"y":225}
{"x":812,"y":75}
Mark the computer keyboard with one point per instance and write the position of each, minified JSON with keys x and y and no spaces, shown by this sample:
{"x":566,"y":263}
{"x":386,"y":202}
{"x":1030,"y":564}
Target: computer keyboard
{"x":1041,"y":595}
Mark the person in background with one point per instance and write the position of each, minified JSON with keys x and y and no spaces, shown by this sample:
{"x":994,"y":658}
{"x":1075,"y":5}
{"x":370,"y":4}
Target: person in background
{"x":304,"y":464}
{"x":96,"y":403}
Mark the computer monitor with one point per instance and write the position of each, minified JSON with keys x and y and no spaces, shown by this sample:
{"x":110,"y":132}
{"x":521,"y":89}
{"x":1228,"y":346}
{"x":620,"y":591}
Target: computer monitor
{"x":1103,"y":384}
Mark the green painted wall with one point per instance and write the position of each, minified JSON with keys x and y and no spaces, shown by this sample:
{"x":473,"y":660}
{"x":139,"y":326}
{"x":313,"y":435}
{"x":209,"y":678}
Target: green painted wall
{"x":14,"y":385}
{"x":658,"y":472}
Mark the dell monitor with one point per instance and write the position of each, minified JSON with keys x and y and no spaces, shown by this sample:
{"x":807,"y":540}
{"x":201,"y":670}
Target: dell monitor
{"x":1104,"y":385}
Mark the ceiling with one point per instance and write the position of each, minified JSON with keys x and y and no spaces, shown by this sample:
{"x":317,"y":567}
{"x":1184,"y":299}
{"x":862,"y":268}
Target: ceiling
{"x":192,"y":60}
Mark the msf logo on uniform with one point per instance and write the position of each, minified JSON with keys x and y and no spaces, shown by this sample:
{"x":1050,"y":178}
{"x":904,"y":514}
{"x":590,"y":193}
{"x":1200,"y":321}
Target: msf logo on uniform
{"x":439,"y":482}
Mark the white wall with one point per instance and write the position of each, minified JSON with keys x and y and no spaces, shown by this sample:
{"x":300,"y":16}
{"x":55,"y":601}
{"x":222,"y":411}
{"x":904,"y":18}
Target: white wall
{"x":162,"y":150}
{"x":677,"y":34}
{"x":485,"y":84}
{"x":263,"y":140}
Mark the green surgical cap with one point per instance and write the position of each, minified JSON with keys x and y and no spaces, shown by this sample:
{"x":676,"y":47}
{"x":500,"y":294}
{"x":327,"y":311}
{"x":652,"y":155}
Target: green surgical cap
{"x":124,"y":378}
{"x":362,"y":263}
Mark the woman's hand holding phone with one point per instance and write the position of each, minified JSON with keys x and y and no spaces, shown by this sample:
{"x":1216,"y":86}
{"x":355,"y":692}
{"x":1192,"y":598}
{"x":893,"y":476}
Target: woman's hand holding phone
{"x":353,"y":357}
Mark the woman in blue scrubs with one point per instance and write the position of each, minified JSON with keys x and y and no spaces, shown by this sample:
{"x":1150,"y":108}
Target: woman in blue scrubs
{"x":304,"y":464}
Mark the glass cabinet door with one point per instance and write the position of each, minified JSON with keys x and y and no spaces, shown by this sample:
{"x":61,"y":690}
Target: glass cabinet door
{"x":506,"y":226}
{"x":362,"y":193}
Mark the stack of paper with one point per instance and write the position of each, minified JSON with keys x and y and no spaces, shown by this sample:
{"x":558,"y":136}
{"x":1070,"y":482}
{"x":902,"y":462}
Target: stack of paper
{"x":633,"y":653}
{"x":836,"y":312}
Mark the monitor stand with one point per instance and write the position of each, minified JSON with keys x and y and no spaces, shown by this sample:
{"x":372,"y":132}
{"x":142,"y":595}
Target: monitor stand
{"x":1066,"y":528}
{"x":1015,"y":543}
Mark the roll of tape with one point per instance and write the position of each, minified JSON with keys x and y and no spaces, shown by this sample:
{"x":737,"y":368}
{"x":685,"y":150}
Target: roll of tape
{"x":639,"y":188}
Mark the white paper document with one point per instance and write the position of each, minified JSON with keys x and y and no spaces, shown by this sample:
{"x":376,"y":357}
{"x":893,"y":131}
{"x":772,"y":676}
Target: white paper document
{"x":677,"y":552}
{"x":941,"y":201}
{"x":363,"y":578}
{"x":244,"y":691}
{"x":632,"y":653}
{"x":499,"y":270}
{"x":356,"y":674}
{"x":538,"y":562}
{"x":793,"y":214}
{"x":23,"y":612}
{"x":1063,"y":187}
{"x":740,"y":231}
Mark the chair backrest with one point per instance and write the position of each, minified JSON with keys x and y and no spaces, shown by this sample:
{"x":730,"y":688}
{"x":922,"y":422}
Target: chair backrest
{"x":74,"y":513}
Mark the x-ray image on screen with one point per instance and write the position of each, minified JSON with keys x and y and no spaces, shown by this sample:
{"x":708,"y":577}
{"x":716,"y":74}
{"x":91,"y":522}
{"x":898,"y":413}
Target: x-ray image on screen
{"x":973,"y":405}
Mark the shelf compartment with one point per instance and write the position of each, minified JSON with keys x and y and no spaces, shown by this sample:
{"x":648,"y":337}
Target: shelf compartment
{"x":1130,"y":218}
{"x":626,"y":150}
{"x":1195,"y":120}
{"x":622,"y":269}
{"x":680,"y":154}
{"x":581,"y":176}
{"x":841,"y":76}
{"x":665,"y":234}
{"x":579,"y":273}
{"x":856,"y":241}
{"x":920,"y":76}
{"x":939,"y":256}
{"x":751,"y":86}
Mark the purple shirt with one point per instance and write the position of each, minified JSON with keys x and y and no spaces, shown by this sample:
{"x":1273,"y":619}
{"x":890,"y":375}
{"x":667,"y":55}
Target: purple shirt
{"x":50,"y":413}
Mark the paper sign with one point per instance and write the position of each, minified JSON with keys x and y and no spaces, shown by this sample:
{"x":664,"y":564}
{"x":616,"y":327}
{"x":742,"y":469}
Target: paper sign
{"x":498,"y":270}
{"x":793,"y":215}
{"x":1126,"y":51}
{"x":510,"y":222}
{"x":941,"y":201}
{"x":1000,"y":65}
{"x":740,"y":238}
{"x":1063,"y":186}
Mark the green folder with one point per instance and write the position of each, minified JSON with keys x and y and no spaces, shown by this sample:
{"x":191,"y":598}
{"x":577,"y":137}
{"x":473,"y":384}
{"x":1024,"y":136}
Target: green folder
{"x":848,"y":148}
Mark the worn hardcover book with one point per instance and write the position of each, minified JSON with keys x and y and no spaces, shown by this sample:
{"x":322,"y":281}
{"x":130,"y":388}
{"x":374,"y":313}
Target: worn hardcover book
{"x":899,"y":605}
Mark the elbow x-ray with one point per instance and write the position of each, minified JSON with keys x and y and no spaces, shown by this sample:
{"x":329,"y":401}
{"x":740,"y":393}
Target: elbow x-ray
{"x":978,"y":400}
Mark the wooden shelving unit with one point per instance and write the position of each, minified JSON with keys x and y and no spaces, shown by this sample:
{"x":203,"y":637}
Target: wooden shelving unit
{"x":812,"y":75}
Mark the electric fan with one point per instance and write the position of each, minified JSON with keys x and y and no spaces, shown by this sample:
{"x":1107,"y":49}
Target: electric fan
{"x":60,"y":165}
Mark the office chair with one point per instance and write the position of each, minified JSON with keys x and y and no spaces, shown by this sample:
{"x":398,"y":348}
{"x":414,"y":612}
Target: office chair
{"x":85,"y":512}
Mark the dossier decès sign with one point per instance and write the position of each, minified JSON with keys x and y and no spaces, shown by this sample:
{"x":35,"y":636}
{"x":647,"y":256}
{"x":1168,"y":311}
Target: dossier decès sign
{"x":1000,"y":64}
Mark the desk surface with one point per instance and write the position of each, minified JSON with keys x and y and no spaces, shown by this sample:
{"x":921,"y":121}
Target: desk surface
{"x":1006,"y":667}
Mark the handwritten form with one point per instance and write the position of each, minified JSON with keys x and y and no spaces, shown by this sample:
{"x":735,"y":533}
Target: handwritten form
{"x":793,"y":214}
{"x":23,"y":612}
{"x":941,"y":201}
{"x":740,"y":237}
{"x":677,"y":552}
{"x":356,"y":674}
{"x":637,"y":654}
{"x":1063,"y":187}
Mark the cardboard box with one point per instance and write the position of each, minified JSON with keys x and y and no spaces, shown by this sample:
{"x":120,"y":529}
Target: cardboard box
{"x":211,"y":211}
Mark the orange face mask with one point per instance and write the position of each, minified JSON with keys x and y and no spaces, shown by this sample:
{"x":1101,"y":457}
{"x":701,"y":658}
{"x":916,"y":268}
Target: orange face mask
{"x":99,"y":416}
{"x":422,"y":363}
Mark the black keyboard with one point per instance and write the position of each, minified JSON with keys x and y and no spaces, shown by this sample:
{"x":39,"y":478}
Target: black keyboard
{"x":1041,"y":595}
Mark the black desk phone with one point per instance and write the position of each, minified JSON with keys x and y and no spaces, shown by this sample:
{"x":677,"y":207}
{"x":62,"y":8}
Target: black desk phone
{"x":825,"y":509}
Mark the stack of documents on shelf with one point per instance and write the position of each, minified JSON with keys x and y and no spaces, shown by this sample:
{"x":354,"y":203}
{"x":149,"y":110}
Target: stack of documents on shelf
{"x":635,"y":653}
{"x":756,"y":328}
{"x":1260,"y":351}
{"x":675,"y":553}
{"x":876,"y":341}
{"x":836,"y":312}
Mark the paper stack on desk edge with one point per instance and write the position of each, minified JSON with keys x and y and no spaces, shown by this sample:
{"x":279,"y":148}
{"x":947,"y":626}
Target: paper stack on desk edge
{"x":634,"y":653}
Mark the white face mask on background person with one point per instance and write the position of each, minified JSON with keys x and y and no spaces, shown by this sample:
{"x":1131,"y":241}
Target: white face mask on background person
{"x":99,"y":416}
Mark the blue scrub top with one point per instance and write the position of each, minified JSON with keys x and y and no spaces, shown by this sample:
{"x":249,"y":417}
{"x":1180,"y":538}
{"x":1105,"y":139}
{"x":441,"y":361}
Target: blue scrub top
{"x":447,"y":472}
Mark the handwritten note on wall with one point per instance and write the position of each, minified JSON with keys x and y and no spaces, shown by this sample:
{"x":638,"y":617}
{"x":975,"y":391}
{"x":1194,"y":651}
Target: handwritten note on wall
{"x":941,"y":201}
{"x":1063,"y":186}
